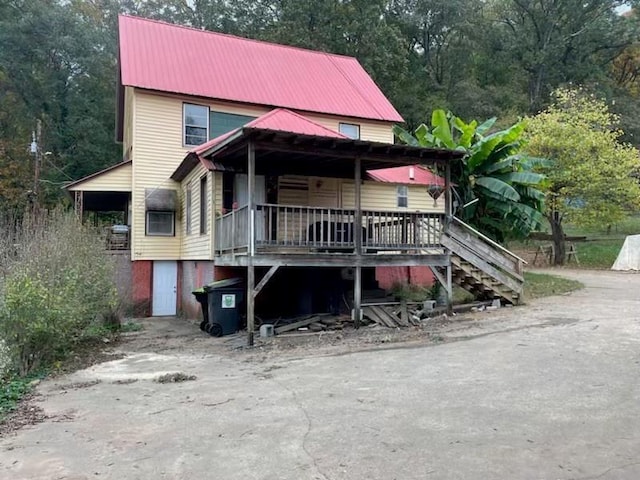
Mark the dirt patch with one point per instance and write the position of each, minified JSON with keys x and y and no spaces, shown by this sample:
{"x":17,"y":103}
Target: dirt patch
{"x":87,"y":357}
{"x":175,"y":378}
{"x":126,"y":381}
{"x":25,"y":414}
{"x":78,"y":385}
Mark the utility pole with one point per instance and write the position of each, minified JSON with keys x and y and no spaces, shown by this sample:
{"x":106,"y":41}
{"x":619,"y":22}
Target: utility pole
{"x":36,"y":150}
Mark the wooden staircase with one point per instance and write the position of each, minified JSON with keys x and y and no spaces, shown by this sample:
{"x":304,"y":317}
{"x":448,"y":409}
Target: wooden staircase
{"x":482,"y":266}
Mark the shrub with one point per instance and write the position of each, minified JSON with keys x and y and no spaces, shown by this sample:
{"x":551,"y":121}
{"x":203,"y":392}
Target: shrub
{"x":56,"y":281}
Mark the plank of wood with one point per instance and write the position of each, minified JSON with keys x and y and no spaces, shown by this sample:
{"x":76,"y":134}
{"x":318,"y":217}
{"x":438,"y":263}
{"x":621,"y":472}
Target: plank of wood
{"x":375,"y":316}
{"x":295,"y":325}
{"x":389,"y":319}
{"x":404,"y":314}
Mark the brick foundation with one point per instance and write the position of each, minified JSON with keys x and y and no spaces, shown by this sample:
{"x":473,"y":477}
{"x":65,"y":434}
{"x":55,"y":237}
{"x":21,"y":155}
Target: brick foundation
{"x":387,"y":277}
{"x":193,"y":275}
{"x":142,"y":286}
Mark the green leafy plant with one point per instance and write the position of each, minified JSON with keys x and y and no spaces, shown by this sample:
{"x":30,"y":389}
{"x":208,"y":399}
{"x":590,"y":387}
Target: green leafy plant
{"x":497,"y":186}
{"x":56,"y":286}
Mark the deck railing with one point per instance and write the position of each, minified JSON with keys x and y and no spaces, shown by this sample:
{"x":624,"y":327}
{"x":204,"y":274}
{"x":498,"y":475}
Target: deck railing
{"x":313,"y":229}
{"x":399,"y":230}
{"x":232,"y":230}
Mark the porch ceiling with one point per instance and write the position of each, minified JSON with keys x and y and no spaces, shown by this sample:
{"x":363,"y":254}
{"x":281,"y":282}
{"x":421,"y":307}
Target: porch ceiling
{"x":105,"y":201}
{"x":280,"y":153}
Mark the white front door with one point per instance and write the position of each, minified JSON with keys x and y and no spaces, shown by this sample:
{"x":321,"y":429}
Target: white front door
{"x":165,"y":288}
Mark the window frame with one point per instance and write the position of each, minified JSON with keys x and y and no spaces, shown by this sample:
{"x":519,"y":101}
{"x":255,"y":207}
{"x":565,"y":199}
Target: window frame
{"x":400,"y":195}
{"x":188,"y":204}
{"x":346,"y":124}
{"x":156,"y":234}
{"x":204,"y":197}
{"x":185,"y":125}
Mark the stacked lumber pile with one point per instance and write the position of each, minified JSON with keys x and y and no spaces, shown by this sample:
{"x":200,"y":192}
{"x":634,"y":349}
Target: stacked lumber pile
{"x":312,"y":323}
{"x":393,"y":315}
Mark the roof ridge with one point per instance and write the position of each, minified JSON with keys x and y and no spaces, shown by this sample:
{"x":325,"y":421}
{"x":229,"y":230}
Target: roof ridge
{"x":236,"y":37}
{"x":302,"y":117}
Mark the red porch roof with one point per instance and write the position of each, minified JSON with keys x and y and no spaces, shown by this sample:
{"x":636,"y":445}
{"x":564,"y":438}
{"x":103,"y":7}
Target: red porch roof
{"x":160,"y":56}
{"x":402,"y":175}
{"x":278,"y":120}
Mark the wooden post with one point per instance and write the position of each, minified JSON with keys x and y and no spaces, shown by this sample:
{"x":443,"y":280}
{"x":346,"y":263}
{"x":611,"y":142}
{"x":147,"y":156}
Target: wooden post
{"x":251,"y":273}
{"x":449,"y":288}
{"x":448,"y":212}
{"x":357,"y":225}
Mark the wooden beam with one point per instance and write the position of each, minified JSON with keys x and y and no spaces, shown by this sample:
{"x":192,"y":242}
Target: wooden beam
{"x":251,"y":273}
{"x":265,"y":280}
{"x":439,"y":277}
{"x":449,"y":289}
{"x":332,"y":260}
{"x":357,"y":227}
{"x":382,"y":157}
{"x":357,"y":296}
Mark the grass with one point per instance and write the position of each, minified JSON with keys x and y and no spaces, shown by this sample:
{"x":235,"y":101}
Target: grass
{"x":539,"y":285}
{"x":602,"y":246}
{"x":131,"y":327}
{"x":12,"y":390}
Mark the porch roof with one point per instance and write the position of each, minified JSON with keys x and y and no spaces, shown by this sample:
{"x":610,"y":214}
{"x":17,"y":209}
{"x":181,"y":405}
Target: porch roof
{"x":288,"y":143}
{"x":115,"y":185}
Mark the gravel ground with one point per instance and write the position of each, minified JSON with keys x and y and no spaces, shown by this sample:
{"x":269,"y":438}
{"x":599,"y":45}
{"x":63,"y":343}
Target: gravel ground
{"x":546,"y":391}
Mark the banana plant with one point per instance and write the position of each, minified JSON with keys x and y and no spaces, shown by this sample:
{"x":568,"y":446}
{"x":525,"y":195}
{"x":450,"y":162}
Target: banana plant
{"x":497,"y":188}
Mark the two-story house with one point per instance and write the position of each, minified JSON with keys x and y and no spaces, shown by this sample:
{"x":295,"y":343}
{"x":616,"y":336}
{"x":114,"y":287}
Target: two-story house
{"x":243,"y":157}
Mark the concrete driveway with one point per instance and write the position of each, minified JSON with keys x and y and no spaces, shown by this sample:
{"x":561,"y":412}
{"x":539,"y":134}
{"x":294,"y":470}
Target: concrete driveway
{"x":547,"y":391}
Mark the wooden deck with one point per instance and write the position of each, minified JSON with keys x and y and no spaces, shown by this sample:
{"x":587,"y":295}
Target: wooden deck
{"x":316,"y":236}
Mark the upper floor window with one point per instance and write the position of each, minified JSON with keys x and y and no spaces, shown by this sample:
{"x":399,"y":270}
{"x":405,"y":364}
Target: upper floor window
{"x":196,"y":124}
{"x":403,"y":196}
{"x":351,"y":130}
{"x":221,"y":123}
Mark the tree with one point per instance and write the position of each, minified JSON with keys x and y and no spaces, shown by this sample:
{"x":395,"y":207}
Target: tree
{"x":497,"y":189}
{"x":556,"y":42}
{"x":591,"y":179}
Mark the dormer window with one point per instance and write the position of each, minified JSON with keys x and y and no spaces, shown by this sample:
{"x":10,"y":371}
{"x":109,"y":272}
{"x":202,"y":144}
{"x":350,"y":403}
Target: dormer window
{"x":350,"y":130}
{"x":196,"y":124}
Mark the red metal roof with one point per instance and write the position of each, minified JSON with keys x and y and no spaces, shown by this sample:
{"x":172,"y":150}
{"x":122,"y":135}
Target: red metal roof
{"x":402,"y":175}
{"x":170,"y":58}
{"x":281,"y":120}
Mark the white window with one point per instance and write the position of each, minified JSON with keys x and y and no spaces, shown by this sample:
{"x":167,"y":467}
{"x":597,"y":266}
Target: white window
{"x":403,"y":196}
{"x":161,"y":224}
{"x":196,"y":124}
{"x":188,"y":204}
{"x":351,"y":130}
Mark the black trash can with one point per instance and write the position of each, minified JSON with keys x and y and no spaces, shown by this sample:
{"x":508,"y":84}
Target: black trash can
{"x":203,"y":299}
{"x":225,"y":300}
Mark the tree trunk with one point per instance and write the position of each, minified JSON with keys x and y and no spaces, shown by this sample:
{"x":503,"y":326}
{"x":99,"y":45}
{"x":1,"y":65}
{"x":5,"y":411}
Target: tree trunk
{"x":557,"y":233}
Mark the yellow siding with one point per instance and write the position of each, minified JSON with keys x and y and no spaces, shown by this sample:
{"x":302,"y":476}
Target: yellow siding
{"x":218,"y":193}
{"x":383,"y":196}
{"x":196,"y":246}
{"x":127,"y":139}
{"x":157,"y":140}
{"x":116,"y":180}
{"x":370,"y":130}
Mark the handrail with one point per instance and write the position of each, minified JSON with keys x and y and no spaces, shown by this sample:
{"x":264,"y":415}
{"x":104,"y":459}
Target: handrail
{"x":488,"y":240}
{"x":306,"y":207}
